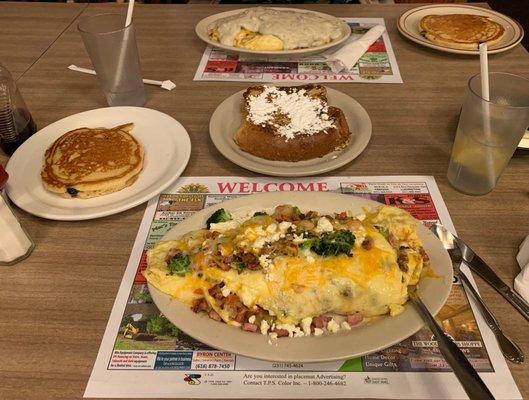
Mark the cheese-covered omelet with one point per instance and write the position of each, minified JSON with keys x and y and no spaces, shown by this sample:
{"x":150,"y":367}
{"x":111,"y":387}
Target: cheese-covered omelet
{"x":285,"y":273}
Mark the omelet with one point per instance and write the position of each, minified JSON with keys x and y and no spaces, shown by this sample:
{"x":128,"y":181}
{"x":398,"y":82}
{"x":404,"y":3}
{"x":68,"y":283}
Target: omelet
{"x":288,"y":273}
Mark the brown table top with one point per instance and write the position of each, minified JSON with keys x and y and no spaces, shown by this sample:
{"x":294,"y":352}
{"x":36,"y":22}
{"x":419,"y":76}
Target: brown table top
{"x":55,"y":304}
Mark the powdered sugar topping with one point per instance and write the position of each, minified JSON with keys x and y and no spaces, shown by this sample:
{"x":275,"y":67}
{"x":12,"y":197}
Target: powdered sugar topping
{"x":291,"y":114}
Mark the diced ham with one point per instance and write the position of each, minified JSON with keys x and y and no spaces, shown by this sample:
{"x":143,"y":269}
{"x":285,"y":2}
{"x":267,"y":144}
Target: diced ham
{"x":311,"y":214}
{"x":199,"y":305}
{"x":211,"y":234}
{"x":250,"y":261}
{"x":342,"y":215}
{"x":215,"y":292}
{"x":215,"y":315}
{"x":280,"y":332}
{"x":402,"y":261}
{"x":250,"y":327}
{"x":367,"y":243}
{"x":240,"y":317}
{"x":355,"y":318}
{"x":318,"y":322}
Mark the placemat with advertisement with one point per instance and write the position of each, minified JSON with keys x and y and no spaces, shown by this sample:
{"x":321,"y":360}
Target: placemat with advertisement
{"x":377,"y":65}
{"x":143,"y":355}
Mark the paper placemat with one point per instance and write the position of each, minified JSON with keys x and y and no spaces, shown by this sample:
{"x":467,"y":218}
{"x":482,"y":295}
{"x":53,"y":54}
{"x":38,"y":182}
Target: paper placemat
{"x":377,"y":65}
{"x":143,"y":355}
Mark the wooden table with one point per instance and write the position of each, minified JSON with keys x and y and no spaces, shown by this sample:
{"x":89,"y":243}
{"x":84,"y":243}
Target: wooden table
{"x":55,"y":305}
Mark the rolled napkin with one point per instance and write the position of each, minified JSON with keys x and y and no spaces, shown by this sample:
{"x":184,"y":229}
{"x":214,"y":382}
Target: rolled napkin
{"x":348,"y":55}
{"x":521,"y":282}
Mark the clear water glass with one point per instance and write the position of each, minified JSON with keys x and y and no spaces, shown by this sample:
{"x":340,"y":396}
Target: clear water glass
{"x":112,"y":49}
{"x":488,"y":132}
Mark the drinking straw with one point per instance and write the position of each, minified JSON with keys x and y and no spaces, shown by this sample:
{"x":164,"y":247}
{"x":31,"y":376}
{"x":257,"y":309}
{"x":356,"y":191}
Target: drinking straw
{"x":485,"y":95}
{"x":122,"y":50}
{"x":130,"y":10}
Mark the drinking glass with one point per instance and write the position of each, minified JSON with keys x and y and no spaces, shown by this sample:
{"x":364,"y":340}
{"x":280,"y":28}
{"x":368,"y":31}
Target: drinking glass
{"x":112,"y":48}
{"x":488,"y":132}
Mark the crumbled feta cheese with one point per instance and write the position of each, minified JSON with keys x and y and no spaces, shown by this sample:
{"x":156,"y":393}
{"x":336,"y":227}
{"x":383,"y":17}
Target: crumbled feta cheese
{"x":264,"y":327}
{"x":332,"y":326}
{"x":305,"y":325}
{"x":273,"y":335}
{"x":265,"y":262}
{"x":324,"y":225}
{"x":310,"y":259}
{"x":223,"y":226}
{"x":259,"y":243}
{"x":345,"y":326}
{"x":298,"y":239}
{"x":318,"y":332}
{"x":297,"y":332}
{"x":283,"y":226}
{"x":271,"y":228}
{"x":225,"y":291}
{"x":251,"y":320}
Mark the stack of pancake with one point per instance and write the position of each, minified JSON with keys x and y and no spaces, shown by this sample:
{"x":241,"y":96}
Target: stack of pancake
{"x":461,"y":31}
{"x":86,"y":163}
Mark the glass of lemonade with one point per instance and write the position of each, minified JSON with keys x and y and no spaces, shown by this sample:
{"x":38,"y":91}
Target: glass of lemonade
{"x":488,"y":132}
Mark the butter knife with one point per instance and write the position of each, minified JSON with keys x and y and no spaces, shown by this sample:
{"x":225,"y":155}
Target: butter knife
{"x":477,"y":265}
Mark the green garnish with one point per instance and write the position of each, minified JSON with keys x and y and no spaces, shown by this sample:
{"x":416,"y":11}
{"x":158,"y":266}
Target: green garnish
{"x":218,"y":216}
{"x":238,"y":265}
{"x":331,"y":243}
{"x":258,"y":213}
{"x":180,"y":265}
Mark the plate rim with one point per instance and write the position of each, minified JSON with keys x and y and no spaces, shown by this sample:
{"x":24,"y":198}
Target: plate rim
{"x":313,"y":50}
{"x":402,"y":29}
{"x":159,"y":296}
{"x":293,"y":170}
{"x":104,"y":210}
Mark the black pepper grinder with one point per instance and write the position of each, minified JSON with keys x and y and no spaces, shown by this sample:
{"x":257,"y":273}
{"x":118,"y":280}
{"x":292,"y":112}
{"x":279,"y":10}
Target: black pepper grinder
{"x":16,"y":123}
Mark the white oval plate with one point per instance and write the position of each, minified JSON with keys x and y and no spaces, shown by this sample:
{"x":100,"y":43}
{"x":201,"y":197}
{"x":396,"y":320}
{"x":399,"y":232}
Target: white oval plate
{"x":165,"y":142}
{"x":364,"y":339}
{"x":227,"y":118}
{"x":408,"y":25}
{"x":201,"y":30}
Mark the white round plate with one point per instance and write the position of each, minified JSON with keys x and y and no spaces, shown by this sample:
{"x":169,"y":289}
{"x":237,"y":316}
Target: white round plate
{"x":524,"y":143}
{"x":165,"y":142}
{"x":367,"y":338}
{"x":202,"y":30}
{"x":408,"y":25}
{"x":227,"y":118}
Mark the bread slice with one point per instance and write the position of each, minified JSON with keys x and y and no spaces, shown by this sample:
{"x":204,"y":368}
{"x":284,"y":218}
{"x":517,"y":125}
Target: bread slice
{"x":461,"y":31}
{"x":265,"y":141}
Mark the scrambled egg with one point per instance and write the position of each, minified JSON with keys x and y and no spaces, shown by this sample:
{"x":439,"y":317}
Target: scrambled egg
{"x":284,"y":269}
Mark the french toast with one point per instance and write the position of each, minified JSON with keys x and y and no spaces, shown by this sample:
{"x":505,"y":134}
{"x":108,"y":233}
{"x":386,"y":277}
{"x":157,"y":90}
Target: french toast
{"x":85,"y":163}
{"x":290,"y":123}
{"x":461,"y":31}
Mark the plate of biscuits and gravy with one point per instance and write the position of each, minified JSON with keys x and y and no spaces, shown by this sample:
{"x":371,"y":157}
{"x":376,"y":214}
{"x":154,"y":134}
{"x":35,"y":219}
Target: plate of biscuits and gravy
{"x":460,"y":28}
{"x":97,"y":163}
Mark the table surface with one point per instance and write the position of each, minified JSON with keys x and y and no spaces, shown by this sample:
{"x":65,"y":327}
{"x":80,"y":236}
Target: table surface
{"x":55,"y":304}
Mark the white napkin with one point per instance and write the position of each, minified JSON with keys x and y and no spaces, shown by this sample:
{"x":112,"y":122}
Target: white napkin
{"x":347,"y":56}
{"x":521,"y":282}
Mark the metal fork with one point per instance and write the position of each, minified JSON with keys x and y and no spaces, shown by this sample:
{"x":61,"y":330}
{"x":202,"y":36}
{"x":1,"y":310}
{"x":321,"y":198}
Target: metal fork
{"x":510,"y":350}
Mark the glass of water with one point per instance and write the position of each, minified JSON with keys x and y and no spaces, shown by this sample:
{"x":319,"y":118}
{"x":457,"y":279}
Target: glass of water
{"x":488,"y":132}
{"x":112,"y":48}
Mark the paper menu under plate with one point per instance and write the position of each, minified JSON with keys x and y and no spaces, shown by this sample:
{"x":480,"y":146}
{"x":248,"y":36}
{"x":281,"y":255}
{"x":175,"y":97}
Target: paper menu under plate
{"x":143,"y":355}
{"x":377,"y":65}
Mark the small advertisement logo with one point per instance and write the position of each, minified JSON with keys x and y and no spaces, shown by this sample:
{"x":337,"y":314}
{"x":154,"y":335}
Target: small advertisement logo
{"x":192,"y":379}
{"x":376,"y":381}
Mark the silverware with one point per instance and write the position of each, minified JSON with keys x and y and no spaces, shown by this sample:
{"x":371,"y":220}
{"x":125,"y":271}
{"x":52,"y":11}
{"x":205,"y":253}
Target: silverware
{"x":477,"y":265}
{"x":464,"y":371}
{"x":510,"y":350}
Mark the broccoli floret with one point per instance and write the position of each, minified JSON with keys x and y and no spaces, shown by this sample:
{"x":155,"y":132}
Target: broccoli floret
{"x":331,"y":243}
{"x":259,"y":213}
{"x":179,"y":265}
{"x":238,"y":265}
{"x":221,"y":215}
